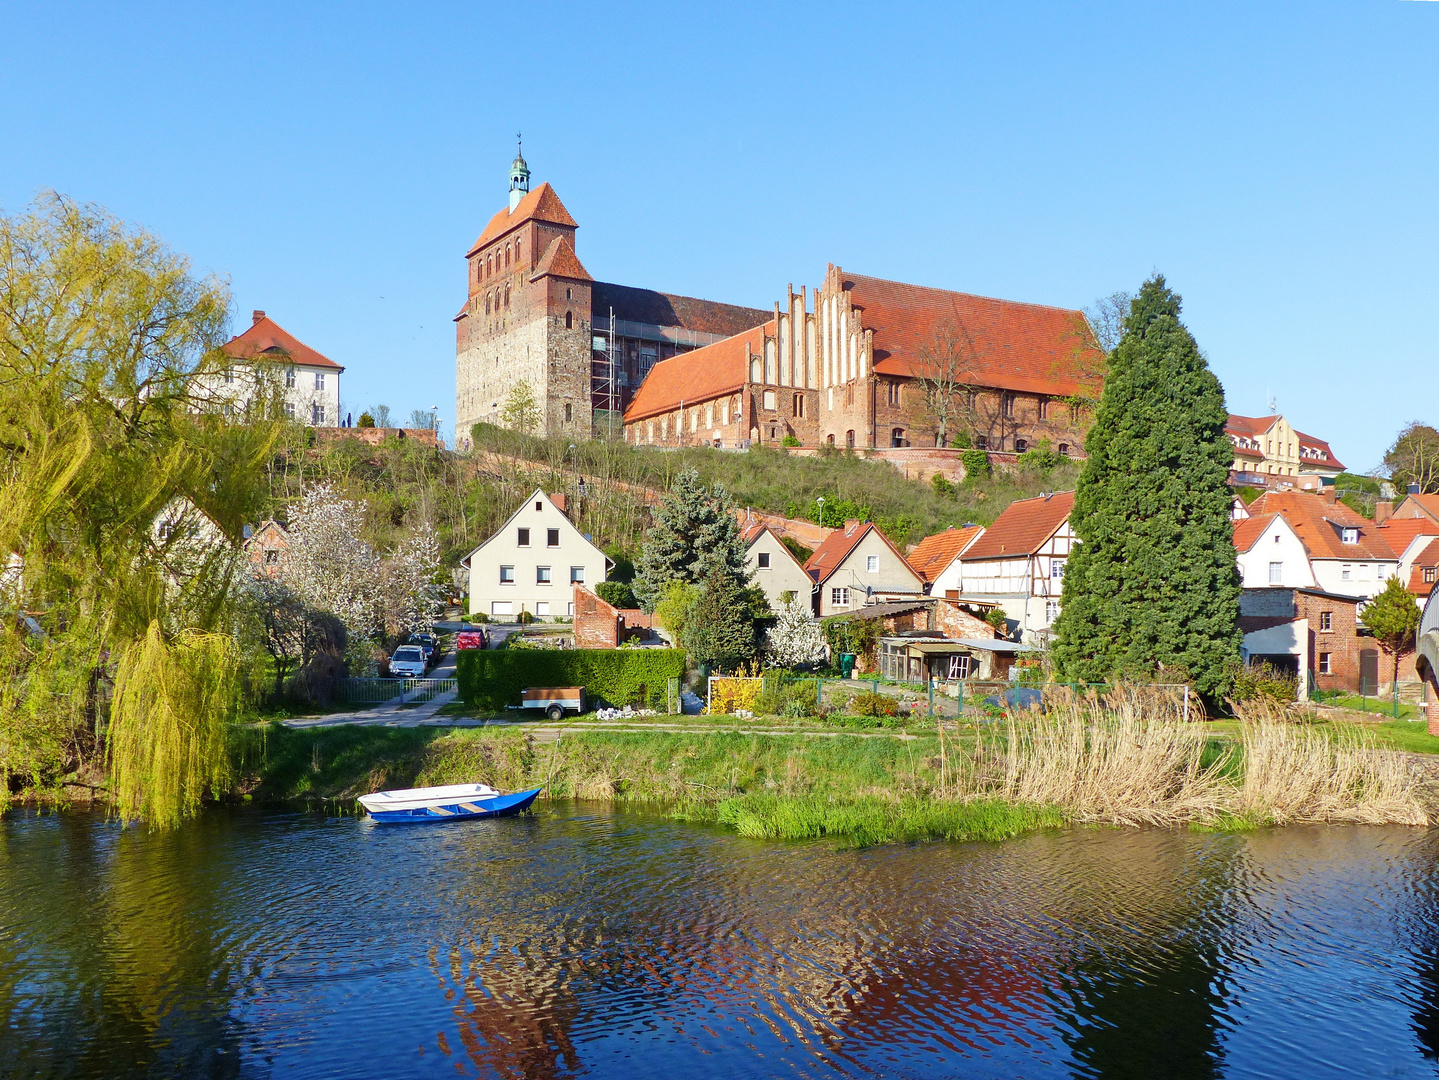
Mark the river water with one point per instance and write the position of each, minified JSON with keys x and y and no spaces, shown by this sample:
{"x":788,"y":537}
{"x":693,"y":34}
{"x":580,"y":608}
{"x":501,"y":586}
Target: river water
{"x":590,"y":942}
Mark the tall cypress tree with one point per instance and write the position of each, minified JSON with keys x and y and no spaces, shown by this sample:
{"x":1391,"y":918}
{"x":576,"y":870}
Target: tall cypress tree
{"x":1153,"y":580}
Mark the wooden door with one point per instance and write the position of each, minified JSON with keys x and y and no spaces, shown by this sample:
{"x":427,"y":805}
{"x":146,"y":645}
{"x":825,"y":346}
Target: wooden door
{"x":1369,"y":669}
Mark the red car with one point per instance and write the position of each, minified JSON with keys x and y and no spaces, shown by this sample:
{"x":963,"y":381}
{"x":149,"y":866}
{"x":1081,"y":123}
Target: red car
{"x":470,"y":639}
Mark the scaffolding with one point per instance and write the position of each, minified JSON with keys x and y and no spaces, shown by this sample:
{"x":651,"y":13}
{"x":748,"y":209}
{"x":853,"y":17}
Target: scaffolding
{"x":604,"y":389}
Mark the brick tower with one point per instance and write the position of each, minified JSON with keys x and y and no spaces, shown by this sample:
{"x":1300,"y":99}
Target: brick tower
{"x":526,"y":318}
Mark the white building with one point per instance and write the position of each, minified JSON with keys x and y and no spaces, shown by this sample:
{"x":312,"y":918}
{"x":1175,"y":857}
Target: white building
{"x":772,"y":566}
{"x":936,"y":558}
{"x":857,"y":565}
{"x":1018,"y":563}
{"x":533,"y":562}
{"x":1295,"y":539}
{"x":309,"y":380}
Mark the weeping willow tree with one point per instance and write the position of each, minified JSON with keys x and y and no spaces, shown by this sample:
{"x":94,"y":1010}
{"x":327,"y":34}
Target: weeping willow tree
{"x":124,"y":489}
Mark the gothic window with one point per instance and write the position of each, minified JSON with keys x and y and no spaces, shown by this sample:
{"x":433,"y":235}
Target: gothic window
{"x":829,"y":439}
{"x":896,"y":437}
{"x":507,"y":296}
{"x":1064,"y":449}
{"x":1020,"y":446}
{"x":799,"y":405}
{"x":849,"y":438}
{"x":1009,"y":406}
{"x":1044,"y":408}
{"x":487,"y":303}
{"x":569,"y":320}
{"x":893,"y":390}
{"x":489,"y":266}
{"x":517,"y":251}
{"x":981,"y":443}
{"x":507,"y":254}
{"x":569,"y":294}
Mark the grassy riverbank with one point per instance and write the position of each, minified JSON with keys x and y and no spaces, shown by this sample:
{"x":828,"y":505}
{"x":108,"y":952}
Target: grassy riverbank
{"x":1077,"y":765}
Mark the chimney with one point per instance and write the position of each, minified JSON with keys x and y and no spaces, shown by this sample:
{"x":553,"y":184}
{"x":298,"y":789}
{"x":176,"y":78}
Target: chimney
{"x":561,"y":502}
{"x":256,"y":316}
{"x":1331,"y":496}
{"x":1383,"y":511}
{"x":850,"y":525}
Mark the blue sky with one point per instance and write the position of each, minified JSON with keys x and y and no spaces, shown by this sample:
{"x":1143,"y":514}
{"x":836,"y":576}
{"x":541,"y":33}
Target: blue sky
{"x":1277,"y":162}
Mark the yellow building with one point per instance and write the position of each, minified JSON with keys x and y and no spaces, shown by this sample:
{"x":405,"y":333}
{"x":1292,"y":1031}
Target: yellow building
{"x":1269,"y":447}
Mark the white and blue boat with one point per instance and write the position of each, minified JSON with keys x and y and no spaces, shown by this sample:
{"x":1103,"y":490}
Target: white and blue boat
{"x":454,"y":802}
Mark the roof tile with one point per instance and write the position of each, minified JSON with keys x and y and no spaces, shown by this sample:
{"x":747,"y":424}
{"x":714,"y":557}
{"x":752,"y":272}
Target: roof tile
{"x":933,"y":555}
{"x":560,"y":260}
{"x":1318,"y":524}
{"x":268,"y":339}
{"x":700,"y":375}
{"x":541,"y":204}
{"x":1023,"y":527}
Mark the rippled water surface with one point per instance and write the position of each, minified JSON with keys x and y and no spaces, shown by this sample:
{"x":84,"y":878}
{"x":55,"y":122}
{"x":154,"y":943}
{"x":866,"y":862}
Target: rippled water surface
{"x":584,"y":941}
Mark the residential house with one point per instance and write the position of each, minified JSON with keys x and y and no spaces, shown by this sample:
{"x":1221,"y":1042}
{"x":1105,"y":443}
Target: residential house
{"x":1424,"y":570}
{"x":1418,"y":506}
{"x":1267,"y":448}
{"x":1308,"y":632}
{"x":772,"y":566}
{"x":1345,"y":553}
{"x":856,"y":565}
{"x":309,"y":380}
{"x":935,"y":558}
{"x":1410,"y":538}
{"x":266,"y":546}
{"x":1018,"y":563}
{"x":532,"y":562}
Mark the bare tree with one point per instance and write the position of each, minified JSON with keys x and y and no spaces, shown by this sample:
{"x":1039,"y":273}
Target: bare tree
{"x":946,"y":376}
{"x":1104,"y":321}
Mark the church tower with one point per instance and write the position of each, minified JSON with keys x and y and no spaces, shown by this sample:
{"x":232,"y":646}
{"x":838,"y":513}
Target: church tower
{"x":526,"y":319}
{"x":519,"y":177}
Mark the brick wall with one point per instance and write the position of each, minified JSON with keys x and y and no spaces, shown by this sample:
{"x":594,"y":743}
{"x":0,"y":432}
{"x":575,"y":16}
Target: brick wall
{"x":597,"y":624}
{"x":954,"y":622}
{"x":375,"y":436}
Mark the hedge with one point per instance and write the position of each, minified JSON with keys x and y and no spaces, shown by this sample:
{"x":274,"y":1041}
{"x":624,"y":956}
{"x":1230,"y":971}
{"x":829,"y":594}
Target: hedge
{"x":493,"y":679}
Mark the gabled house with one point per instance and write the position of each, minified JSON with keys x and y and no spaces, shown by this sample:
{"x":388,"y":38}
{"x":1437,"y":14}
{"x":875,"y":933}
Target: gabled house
{"x":309,"y":380}
{"x":1271,"y":555}
{"x":1018,"y":563}
{"x":266,"y":546}
{"x":772,"y":566}
{"x":1423,"y":569}
{"x":1409,"y":539}
{"x":1418,"y":506}
{"x":1268,"y":447}
{"x":532,"y":562}
{"x":857,"y":565}
{"x":1346,"y":553}
{"x":935,"y":558}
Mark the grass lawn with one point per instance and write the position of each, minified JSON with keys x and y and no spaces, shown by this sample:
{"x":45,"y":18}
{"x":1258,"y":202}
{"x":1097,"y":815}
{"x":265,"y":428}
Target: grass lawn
{"x":1381,"y":706}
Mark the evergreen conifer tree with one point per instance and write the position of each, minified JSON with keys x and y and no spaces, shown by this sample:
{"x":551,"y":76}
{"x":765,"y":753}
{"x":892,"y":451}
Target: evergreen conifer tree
{"x":694,"y":531}
{"x":720,"y":630}
{"x":1153,"y":580}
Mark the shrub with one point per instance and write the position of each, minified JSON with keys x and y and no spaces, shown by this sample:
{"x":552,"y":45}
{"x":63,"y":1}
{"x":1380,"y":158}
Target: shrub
{"x":1040,"y":459}
{"x":961,"y":441}
{"x":976,"y":464}
{"x":617,"y":593}
{"x":790,"y":440}
{"x":492,"y":679}
{"x":526,"y":617}
{"x":791,"y":699}
{"x":1262,"y":682}
{"x":942,"y":487}
{"x":874,"y":704}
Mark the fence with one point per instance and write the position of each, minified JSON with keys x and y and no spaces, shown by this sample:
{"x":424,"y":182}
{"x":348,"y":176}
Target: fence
{"x":401,"y":691}
{"x":974,"y":698}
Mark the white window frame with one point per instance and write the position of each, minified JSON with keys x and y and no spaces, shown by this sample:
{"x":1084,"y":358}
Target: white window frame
{"x":871,"y":564}
{"x":1056,"y":569}
{"x":522,"y":538}
{"x":542,"y":609}
{"x":507,"y":580}
{"x":544,"y":575}
{"x":577,"y":575}
{"x":1349,"y":534}
{"x":502,"y":607}
{"x":1276,"y":573}
{"x":319,"y":380}
{"x":762,"y":560}
{"x":1051,"y":611}
{"x":1346,"y":572}
{"x":838,"y":596}
{"x":552,"y":533}
{"x":1325,"y":667}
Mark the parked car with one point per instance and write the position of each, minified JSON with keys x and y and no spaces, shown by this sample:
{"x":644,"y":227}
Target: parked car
{"x":408,"y":662}
{"x":426,"y":642}
{"x":470,"y":639}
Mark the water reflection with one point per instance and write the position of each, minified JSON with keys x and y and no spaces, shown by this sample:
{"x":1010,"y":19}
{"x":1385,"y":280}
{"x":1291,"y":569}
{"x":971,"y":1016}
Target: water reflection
{"x":586,"y":942}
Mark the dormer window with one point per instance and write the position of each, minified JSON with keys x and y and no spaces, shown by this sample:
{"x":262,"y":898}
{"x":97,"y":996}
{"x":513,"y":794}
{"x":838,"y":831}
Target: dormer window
{"x":1349,"y":535}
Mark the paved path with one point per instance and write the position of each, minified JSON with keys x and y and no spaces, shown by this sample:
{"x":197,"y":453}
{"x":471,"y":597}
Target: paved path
{"x":392,"y":713}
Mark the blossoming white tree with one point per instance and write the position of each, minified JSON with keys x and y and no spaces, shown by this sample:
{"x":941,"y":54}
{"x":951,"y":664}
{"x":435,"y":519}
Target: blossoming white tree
{"x":796,"y":639}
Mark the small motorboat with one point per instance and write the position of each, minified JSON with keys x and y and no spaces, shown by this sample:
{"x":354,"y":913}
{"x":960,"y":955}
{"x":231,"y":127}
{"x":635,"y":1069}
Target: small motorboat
{"x":453,"y":802}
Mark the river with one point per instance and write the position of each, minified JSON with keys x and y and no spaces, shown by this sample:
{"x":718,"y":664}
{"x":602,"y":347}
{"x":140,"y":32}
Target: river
{"x":586,"y":941}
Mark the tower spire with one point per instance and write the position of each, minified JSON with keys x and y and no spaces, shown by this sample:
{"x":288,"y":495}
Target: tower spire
{"x":519,"y":174}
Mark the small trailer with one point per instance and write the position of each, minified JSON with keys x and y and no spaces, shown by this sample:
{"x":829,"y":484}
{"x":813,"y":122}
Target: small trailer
{"x":554,"y":701}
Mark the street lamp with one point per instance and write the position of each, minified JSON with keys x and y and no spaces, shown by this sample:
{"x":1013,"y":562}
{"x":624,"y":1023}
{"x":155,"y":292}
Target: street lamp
{"x":820,"y":500}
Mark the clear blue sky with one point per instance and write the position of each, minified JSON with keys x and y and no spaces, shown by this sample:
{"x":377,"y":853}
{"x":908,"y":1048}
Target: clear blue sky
{"x":1277,"y":162}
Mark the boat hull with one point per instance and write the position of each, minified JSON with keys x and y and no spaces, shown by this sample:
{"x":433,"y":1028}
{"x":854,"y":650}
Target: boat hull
{"x":462,"y":810}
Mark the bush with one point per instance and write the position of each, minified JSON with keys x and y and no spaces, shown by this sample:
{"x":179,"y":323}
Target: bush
{"x":791,"y":699}
{"x":492,"y":679}
{"x":1041,"y":458}
{"x":790,"y":440}
{"x":874,"y":704}
{"x":961,"y":441}
{"x":617,"y":593}
{"x":526,"y":617}
{"x":942,"y":487}
{"x":1261,"y":682}
{"x":976,"y":464}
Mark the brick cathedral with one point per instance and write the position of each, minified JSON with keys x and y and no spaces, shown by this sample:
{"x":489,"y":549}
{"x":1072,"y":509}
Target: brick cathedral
{"x":534,"y":315}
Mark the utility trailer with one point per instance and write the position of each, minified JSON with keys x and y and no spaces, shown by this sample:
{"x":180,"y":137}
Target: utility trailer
{"x":553,"y":701}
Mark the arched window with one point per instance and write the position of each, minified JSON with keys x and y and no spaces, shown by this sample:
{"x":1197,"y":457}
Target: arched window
{"x":507,"y":254}
{"x":487,"y":303}
{"x":849,"y":438}
{"x":569,"y":294}
{"x":569,"y":320}
{"x":507,"y":296}
{"x":829,"y":439}
{"x":1021,"y":445}
{"x":896,"y":437}
{"x":489,"y":266}
{"x":517,"y":251}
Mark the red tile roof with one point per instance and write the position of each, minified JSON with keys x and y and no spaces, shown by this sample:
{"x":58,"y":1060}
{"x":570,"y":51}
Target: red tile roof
{"x":932,"y":555}
{"x":1248,"y":531}
{"x":1309,"y":442}
{"x":838,"y":547}
{"x":560,"y":260}
{"x":268,"y":339}
{"x":1428,"y":558}
{"x":542,"y":204}
{"x":1023,"y":527}
{"x":1253,"y":426}
{"x":1399,"y":533}
{"x":1028,"y":347}
{"x":1248,"y":452}
{"x":666,"y":309}
{"x":696,"y":376}
{"x":1427,"y":504}
{"x":1318,"y":525}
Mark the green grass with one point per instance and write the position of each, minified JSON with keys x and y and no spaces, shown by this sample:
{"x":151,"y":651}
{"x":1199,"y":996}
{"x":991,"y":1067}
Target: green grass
{"x":871,"y":820}
{"x":1407,"y":735}
{"x":1381,"y":706}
